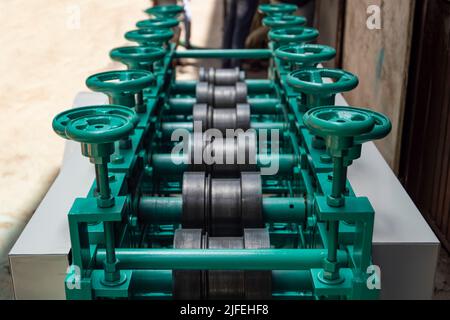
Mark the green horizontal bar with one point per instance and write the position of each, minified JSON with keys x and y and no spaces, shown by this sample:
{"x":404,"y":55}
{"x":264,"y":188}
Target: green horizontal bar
{"x":166,"y":163}
{"x":225,"y":54}
{"x":167,"y":128}
{"x":225,"y":259}
{"x":183,"y":106}
{"x":156,"y":281}
{"x":260,"y":86}
{"x":291,"y":281}
{"x":257,"y":125}
{"x":163,"y":163}
{"x":254,"y":86}
{"x":160,"y":281}
{"x":284,"y":210}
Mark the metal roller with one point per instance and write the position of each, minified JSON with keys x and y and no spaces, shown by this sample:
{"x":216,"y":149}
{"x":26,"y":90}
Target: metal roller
{"x":258,"y":284}
{"x":225,"y":284}
{"x":221,"y":77}
{"x":243,"y":113}
{"x":226,"y":212}
{"x":222,"y":118}
{"x":222,"y":284}
{"x":221,"y":96}
{"x":202,"y":113}
{"x":222,"y":207}
{"x":251,"y":199}
{"x":195,"y":200}
{"x":204,"y":92}
{"x":229,"y":155}
{"x":187,"y":284}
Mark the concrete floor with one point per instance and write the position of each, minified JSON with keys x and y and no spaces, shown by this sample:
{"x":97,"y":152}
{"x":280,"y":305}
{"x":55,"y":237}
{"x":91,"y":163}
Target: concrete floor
{"x":49,"y":47}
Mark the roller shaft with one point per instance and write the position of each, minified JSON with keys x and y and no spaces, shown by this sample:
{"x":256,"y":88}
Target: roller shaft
{"x":168,"y":210}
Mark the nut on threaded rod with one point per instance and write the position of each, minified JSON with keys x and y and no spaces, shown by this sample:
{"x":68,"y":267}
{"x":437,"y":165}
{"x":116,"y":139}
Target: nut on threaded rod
{"x":97,"y":128}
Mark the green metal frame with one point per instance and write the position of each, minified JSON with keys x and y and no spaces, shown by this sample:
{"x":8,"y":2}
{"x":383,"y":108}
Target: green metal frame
{"x":326,"y":247}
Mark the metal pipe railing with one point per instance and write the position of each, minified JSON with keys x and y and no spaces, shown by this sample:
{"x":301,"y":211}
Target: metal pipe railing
{"x":222,"y":259}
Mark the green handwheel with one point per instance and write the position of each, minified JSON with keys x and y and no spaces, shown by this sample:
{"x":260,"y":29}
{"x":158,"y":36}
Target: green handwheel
{"x":306,"y":55}
{"x":293,"y":35}
{"x":275,"y":9}
{"x":137,"y":57}
{"x":157,"y":23}
{"x":165,"y":11}
{"x":149,"y":37}
{"x":336,"y":121}
{"x":311,"y":81}
{"x":121,"y":86}
{"x":285,"y":21}
{"x":99,"y":129}
{"x":339,"y":126}
{"x":61,"y":121}
{"x":380,"y":130}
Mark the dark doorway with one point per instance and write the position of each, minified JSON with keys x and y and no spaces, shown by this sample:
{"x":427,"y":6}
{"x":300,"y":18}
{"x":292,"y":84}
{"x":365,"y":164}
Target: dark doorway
{"x":425,"y":156}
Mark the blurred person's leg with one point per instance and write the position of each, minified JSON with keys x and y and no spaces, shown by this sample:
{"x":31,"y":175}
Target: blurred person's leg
{"x":187,"y":23}
{"x":258,"y":37}
{"x":245,"y":11}
{"x":258,"y":33}
{"x":307,"y":10}
{"x":164,"y":2}
{"x":229,"y":26}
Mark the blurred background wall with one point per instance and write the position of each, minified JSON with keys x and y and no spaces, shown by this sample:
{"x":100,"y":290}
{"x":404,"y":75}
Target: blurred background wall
{"x":380,"y":57}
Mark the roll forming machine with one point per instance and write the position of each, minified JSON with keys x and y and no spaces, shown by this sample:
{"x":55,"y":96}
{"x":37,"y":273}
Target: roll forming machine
{"x":225,"y":187}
